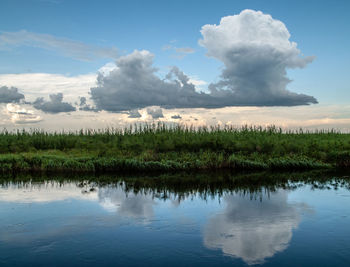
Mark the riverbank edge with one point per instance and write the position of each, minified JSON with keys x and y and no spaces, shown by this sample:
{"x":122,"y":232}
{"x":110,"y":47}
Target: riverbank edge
{"x":21,"y":163}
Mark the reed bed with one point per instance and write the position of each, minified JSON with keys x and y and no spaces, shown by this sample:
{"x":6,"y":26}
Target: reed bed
{"x":171,"y":148}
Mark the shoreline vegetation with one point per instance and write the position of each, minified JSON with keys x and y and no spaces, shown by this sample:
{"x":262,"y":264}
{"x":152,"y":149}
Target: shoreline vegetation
{"x":184,"y":184}
{"x":153,"y":148}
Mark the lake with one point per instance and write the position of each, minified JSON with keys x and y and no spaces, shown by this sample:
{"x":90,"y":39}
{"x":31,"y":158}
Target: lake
{"x":189,"y":220}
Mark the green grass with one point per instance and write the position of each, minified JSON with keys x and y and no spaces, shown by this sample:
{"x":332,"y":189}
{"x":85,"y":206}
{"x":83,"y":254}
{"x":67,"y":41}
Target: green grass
{"x":160,"y":148}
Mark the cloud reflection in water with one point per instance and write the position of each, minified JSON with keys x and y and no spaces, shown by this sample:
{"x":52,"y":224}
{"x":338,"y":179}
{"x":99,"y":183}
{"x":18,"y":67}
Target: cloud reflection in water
{"x":130,"y":205}
{"x":253,"y":230}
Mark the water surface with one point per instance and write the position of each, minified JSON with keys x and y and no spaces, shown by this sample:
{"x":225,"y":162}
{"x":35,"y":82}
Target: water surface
{"x":56,"y":222}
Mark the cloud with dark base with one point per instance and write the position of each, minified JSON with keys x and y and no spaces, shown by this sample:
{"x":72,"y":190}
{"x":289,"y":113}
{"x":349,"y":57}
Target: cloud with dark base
{"x":55,"y":105}
{"x":83,"y":106}
{"x":255,"y":50}
{"x":134,"y":85}
{"x":176,"y":117}
{"x":10,"y":95}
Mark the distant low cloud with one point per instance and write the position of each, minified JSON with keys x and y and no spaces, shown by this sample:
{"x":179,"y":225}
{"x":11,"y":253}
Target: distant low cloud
{"x":256,"y":51}
{"x":35,"y":85}
{"x":55,"y":105}
{"x":155,"y":112}
{"x":134,"y":114}
{"x":176,"y":117}
{"x":65,"y":46}
{"x":20,"y":115}
{"x":10,"y":95}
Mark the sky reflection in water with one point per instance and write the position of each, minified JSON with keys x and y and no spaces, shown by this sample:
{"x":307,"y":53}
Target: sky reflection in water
{"x":86,"y":222}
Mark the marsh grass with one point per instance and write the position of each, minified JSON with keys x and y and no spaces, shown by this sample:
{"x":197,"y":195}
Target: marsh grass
{"x":164,"y":148}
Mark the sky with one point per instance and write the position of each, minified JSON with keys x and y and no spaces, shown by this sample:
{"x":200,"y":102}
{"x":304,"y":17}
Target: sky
{"x":67,"y":65}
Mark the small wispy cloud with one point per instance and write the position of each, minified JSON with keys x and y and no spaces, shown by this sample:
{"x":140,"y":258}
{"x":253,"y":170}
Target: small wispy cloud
{"x":67,"y":47}
{"x":180,"y":52}
{"x":184,"y":50}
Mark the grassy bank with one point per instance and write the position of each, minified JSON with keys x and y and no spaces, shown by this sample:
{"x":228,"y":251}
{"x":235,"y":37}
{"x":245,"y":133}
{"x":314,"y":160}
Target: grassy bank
{"x":159,"y":148}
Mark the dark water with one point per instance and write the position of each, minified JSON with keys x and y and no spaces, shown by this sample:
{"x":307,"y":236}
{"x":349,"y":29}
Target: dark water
{"x":212,"y":221}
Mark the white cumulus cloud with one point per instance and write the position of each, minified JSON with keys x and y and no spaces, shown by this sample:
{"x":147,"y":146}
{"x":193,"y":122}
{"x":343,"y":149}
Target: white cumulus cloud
{"x":256,"y":51}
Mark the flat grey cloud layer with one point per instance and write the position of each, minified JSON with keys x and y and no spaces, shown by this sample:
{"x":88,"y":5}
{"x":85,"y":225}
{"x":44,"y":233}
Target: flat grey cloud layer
{"x":65,"y":46}
{"x":55,"y":105}
{"x":255,"y":50}
{"x":10,"y":95}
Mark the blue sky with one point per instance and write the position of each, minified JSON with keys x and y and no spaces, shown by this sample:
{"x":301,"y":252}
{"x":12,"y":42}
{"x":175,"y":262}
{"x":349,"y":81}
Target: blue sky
{"x":320,"y":28}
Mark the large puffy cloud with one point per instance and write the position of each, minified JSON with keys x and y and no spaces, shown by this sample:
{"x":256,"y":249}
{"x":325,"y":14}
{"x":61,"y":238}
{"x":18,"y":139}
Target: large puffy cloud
{"x":10,"y":95}
{"x":256,"y":51}
{"x":134,"y":84}
{"x":55,"y":105}
{"x":251,"y":229}
{"x":254,"y":47}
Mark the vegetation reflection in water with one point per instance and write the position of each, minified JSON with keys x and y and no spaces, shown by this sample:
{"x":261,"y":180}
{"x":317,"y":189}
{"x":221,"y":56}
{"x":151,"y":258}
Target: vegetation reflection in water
{"x":257,"y":220}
